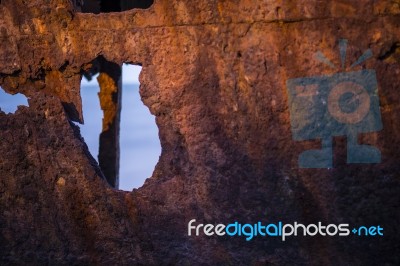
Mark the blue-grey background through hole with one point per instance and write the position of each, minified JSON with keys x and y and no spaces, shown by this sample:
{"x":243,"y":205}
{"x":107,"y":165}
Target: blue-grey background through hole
{"x":139,"y":142}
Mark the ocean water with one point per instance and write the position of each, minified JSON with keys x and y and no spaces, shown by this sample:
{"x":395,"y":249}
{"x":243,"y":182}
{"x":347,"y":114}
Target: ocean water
{"x":139,"y":141}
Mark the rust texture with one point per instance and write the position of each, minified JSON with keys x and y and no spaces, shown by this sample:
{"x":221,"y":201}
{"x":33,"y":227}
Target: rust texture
{"x":214,"y":75}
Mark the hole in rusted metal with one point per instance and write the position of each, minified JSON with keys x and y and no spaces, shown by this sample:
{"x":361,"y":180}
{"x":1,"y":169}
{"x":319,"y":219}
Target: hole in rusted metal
{"x":129,"y":147}
{"x":9,"y":103}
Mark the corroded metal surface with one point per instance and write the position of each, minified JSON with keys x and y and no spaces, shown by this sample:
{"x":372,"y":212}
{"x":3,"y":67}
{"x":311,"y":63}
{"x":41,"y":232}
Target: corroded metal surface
{"x":214,"y":75}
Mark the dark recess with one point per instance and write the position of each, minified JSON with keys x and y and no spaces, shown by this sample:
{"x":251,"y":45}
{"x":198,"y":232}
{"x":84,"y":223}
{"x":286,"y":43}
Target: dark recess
{"x":394,"y":48}
{"x":106,"y":6}
{"x":131,"y":4}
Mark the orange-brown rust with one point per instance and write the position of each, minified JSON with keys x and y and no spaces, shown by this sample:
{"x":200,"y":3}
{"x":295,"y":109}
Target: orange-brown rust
{"x":108,"y":88}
